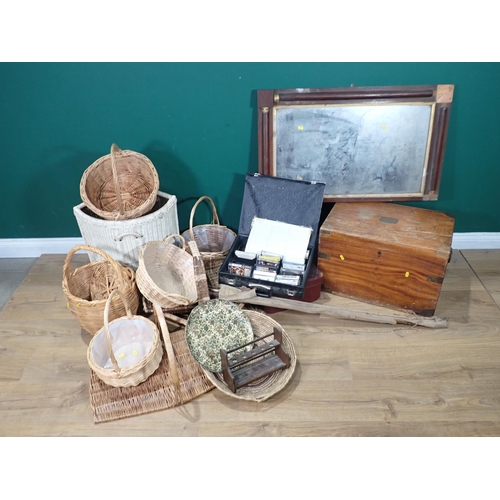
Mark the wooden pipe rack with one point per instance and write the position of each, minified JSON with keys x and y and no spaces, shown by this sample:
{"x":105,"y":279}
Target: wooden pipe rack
{"x":249,"y":366}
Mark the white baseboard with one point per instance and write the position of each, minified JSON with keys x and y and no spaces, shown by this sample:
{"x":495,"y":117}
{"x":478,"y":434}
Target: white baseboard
{"x":475,"y":241}
{"x":34,"y":247}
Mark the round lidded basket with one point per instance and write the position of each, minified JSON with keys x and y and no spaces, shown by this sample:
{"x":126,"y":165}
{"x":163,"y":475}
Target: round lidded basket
{"x":126,"y":351}
{"x":214,"y":242}
{"x":269,"y":385}
{"x":120,"y":186}
{"x":214,"y":325}
{"x":166,"y":275}
{"x":87,"y":288}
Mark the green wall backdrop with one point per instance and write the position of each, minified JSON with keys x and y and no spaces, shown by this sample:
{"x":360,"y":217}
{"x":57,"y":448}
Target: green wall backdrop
{"x":197,"y":123}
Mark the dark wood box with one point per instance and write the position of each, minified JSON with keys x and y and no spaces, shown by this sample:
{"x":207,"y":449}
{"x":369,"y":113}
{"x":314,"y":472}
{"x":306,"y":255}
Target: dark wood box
{"x":386,"y":254}
{"x":284,"y":200}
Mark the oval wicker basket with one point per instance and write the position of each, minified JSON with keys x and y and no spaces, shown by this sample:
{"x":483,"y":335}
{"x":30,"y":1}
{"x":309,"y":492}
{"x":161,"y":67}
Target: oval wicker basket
{"x":87,"y":288}
{"x":120,"y":186}
{"x":134,"y":340}
{"x":199,"y":276}
{"x":166,"y":275}
{"x":214,"y":242}
{"x":271,"y":384}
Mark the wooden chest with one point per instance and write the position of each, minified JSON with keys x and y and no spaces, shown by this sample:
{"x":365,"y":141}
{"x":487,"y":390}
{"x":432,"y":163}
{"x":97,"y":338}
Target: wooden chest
{"x":386,"y":254}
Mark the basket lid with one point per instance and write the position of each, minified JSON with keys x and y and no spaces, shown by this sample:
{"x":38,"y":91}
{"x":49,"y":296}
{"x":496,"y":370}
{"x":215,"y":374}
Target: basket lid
{"x":285,"y":200}
{"x":214,"y":325}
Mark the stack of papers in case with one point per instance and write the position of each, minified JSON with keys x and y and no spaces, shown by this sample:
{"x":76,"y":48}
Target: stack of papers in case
{"x":281,"y":238}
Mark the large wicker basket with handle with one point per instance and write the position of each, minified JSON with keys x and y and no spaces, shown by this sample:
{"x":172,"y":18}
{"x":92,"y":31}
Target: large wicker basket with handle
{"x":120,"y":186}
{"x":87,"y":288}
{"x":214,"y":242}
{"x":125,"y":351}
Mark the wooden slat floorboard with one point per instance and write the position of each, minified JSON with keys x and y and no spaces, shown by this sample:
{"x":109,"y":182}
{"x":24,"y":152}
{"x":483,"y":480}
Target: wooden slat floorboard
{"x":352,"y":378}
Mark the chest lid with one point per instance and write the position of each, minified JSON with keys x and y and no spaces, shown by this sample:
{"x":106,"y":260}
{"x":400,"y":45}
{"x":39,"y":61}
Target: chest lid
{"x":284,"y":200}
{"x":391,"y":224}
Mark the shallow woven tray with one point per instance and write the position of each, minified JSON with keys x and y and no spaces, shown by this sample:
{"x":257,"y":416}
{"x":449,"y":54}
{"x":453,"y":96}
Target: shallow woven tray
{"x":156,"y":393}
{"x":271,"y":384}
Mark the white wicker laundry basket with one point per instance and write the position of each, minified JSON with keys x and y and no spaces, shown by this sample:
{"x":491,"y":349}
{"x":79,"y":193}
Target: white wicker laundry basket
{"x":123,"y":240}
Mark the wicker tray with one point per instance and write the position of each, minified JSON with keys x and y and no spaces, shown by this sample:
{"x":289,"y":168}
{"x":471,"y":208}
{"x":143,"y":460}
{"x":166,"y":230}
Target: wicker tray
{"x":271,"y":384}
{"x":157,"y":393}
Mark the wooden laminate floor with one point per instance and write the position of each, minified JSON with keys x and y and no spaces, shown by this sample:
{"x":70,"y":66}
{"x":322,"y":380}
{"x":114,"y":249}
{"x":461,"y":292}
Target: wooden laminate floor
{"x":352,"y":378}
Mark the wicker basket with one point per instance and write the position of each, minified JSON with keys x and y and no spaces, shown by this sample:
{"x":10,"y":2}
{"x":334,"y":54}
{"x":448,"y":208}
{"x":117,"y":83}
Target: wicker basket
{"x":271,"y":384}
{"x":200,"y":280}
{"x":214,"y":242}
{"x":120,"y":186}
{"x":166,"y":275}
{"x":159,"y":392}
{"x":134,"y":340}
{"x":123,"y":240}
{"x":87,"y":289}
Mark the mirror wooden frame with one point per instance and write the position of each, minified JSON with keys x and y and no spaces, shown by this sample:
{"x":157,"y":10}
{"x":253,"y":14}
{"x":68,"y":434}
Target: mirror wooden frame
{"x":333,"y":105}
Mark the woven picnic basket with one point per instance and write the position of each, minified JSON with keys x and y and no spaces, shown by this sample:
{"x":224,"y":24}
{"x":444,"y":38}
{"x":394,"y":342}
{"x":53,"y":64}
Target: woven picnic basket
{"x":125,"y":351}
{"x":269,"y":385}
{"x":120,"y":186}
{"x":214,"y":242}
{"x":166,"y":275}
{"x":87,"y":288}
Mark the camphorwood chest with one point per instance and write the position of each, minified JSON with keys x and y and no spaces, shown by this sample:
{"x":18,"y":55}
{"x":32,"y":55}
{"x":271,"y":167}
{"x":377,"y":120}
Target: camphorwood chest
{"x":386,"y":254}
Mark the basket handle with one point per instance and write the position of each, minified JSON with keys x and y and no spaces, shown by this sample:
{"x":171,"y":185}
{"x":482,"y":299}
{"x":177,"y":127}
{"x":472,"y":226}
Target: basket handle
{"x":215,"y":217}
{"x":106,"y":325}
{"x":115,"y":149}
{"x":195,"y":252}
{"x":104,"y":255}
{"x":200,"y":274}
{"x":172,"y":363}
{"x":137,"y":236}
{"x":178,"y":236}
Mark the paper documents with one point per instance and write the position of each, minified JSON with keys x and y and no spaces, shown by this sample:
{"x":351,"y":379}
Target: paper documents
{"x":281,"y":238}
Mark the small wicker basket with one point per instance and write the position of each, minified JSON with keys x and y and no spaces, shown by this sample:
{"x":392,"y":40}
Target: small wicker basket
{"x":214,"y":242}
{"x":134,"y":340}
{"x":166,"y":275}
{"x":120,"y":186}
{"x":87,"y":288}
{"x":269,"y":385}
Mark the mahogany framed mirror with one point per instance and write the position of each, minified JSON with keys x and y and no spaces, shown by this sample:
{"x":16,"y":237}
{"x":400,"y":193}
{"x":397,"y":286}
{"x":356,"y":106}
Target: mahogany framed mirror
{"x":364,"y":143}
